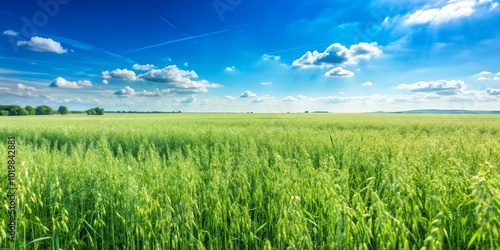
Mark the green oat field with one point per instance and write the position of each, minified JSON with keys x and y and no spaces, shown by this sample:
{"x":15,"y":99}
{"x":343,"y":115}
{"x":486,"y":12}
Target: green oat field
{"x":253,"y":181}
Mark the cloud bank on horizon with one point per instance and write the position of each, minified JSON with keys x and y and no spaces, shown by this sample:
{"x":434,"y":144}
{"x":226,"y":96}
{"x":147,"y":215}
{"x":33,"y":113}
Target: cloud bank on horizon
{"x":339,"y":56}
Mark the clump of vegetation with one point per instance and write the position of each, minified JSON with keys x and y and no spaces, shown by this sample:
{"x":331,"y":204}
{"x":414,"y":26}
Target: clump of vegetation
{"x":63,"y":110}
{"x":95,"y":111}
{"x":256,"y":182}
{"x":16,"y":110}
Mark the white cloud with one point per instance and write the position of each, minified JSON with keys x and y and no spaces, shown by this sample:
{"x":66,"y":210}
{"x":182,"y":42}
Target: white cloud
{"x":498,"y":74}
{"x":178,"y":79}
{"x":493,"y":91}
{"x":84,"y":83}
{"x":266,"y":83}
{"x":368,"y":84}
{"x":143,"y":67}
{"x":10,"y":33}
{"x":105,"y":82}
{"x":494,"y":6}
{"x":40,"y":44}
{"x":339,"y":72}
{"x":453,"y":10}
{"x":190,"y":99}
{"x":433,"y":86}
{"x":127,"y":91}
{"x":230,"y":69}
{"x":186,"y":64}
{"x":121,"y":74}
{"x":496,"y":78}
{"x":337,"y":55}
{"x":482,"y":78}
{"x":63,"y":83}
{"x":289,"y":99}
{"x":485,"y":73}
{"x":23,"y":87}
{"x":4,"y":89}
{"x":231,"y":99}
{"x":332,"y":99}
{"x":155,"y":93}
{"x":267,"y":57}
{"x":248,"y":94}
{"x":263,"y":98}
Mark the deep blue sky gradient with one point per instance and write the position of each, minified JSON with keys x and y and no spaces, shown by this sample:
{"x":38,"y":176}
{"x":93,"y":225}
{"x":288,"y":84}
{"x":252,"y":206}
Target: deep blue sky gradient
{"x":227,"y":54}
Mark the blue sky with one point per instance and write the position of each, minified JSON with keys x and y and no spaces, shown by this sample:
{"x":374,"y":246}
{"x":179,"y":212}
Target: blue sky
{"x":259,"y":56}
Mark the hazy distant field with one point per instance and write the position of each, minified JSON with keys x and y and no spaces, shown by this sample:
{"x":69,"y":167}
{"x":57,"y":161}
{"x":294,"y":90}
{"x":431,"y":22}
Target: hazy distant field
{"x":305,"y":181}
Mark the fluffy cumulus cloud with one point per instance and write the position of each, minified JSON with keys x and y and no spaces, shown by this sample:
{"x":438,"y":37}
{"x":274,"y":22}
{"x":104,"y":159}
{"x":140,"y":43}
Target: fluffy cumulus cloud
{"x":41,"y":44}
{"x":63,"y":83}
{"x":144,"y":67}
{"x":248,"y":94}
{"x":493,"y":91}
{"x":179,"y":80}
{"x":23,"y":87}
{"x":368,"y":84}
{"x":10,"y":33}
{"x":127,"y":91}
{"x":231,"y":98}
{"x":448,"y":11}
{"x":120,"y":74}
{"x":339,"y":72}
{"x":338,"y":55}
{"x":441,"y":86}
{"x":155,"y":93}
{"x":230,"y":69}
{"x":487,"y":76}
{"x":289,"y":99}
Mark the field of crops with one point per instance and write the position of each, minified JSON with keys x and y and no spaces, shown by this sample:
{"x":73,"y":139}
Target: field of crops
{"x":254,"y":181}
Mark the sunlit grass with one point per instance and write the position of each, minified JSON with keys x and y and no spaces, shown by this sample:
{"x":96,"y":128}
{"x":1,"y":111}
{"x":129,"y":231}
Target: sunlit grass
{"x":184,"y":181}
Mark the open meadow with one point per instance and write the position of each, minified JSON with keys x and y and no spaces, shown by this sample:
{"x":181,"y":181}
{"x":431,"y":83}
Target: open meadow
{"x":253,"y":181}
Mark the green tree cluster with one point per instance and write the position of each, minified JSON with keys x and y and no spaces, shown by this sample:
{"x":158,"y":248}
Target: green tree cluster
{"x":95,"y":111}
{"x":15,"y":110}
{"x":44,"y":110}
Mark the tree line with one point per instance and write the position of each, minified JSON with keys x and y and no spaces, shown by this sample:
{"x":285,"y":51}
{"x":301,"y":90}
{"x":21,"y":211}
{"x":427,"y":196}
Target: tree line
{"x":16,"y":110}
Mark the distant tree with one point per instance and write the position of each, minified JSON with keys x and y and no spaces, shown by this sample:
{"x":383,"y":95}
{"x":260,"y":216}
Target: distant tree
{"x":44,"y":110}
{"x":4,"y":113}
{"x":99,"y":111}
{"x":95,"y":111}
{"x":13,"y":110}
{"x":63,"y":110}
{"x":30,"y":110}
{"x":22,"y":111}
